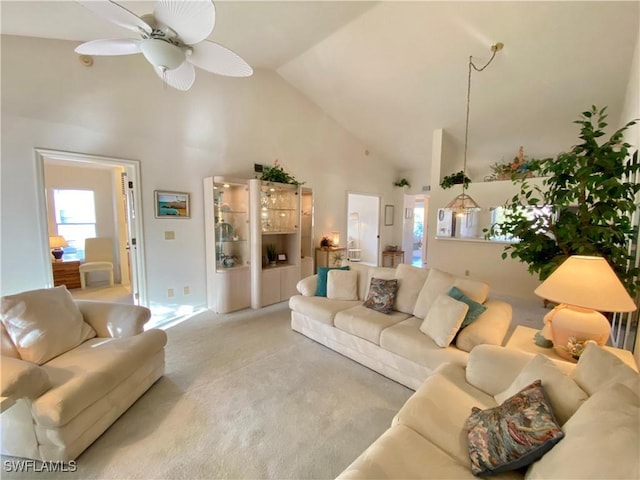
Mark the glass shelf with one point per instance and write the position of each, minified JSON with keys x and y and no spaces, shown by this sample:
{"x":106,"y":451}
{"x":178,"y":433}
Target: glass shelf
{"x":231,"y":229}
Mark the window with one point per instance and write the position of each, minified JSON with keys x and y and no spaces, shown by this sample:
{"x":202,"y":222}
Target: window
{"x":75,"y":214}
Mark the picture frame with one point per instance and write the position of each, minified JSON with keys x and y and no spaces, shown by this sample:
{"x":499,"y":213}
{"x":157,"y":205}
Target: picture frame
{"x":282,"y":257}
{"x":388,"y":215}
{"x":170,"y":204}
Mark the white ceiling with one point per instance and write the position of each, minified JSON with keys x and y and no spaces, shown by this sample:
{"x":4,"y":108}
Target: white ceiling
{"x":391,"y":72}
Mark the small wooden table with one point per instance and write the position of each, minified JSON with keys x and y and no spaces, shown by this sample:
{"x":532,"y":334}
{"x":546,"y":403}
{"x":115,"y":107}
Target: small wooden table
{"x":392,"y":258}
{"x":66,"y":273}
{"x":329,"y":257}
{"x":522,"y":338}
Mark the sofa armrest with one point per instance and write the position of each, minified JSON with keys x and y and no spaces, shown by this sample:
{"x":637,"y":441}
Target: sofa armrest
{"x":308,"y":286}
{"x":493,"y":369}
{"x":114,"y":319}
{"x":22,"y":379}
{"x":489,"y":328}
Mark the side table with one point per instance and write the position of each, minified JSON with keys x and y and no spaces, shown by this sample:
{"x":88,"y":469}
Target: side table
{"x":522,"y":338}
{"x":66,"y":273}
{"x":392,"y":258}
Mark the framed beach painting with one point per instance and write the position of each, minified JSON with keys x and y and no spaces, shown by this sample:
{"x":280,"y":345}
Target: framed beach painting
{"x":172,"y":204}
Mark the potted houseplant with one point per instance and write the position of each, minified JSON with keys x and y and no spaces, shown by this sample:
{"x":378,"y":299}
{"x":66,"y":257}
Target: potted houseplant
{"x":455,"y":179}
{"x":271,"y":253}
{"x":278,"y":175}
{"x":591,"y":192}
{"x":403,"y":182}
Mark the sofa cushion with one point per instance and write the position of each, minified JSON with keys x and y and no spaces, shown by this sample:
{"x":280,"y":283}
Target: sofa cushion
{"x":601,"y":439}
{"x":321,"y":309}
{"x":44,"y":323}
{"x":384,"y":273}
{"x":565,"y":396}
{"x":410,"y":282}
{"x":402,"y":453}
{"x":366,"y":323}
{"x":342,"y":285}
{"x":474,"y":289}
{"x":87,"y":373}
{"x":439,"y":410}
{"x":475,"y":309}
{"x":598,"y":368}
{"x":514,"y":434}
{"x":406,"y":340}
{"x":7,"y":348}
{"x":382,"y":295}
{"x":437,"y":282}
{"x":321,"y":289}
{"x":488,"y":328}
{"x":308,"y":286}
{"x":444,"y":319}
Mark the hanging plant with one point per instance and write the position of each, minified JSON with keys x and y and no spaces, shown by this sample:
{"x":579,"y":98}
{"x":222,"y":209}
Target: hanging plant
{"x":278,"y":175}
{"x":455,"y":179}
{"x":403,"y":182}
{"x":591,"y":192}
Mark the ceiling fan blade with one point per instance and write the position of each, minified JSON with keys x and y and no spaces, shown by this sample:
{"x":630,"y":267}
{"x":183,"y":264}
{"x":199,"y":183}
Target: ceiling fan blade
{"x":116,"y":14}
{"x":116,"y":46}
{"x":181,"y":78}
{"x":218,"y":59}
{"x":192,"y":20}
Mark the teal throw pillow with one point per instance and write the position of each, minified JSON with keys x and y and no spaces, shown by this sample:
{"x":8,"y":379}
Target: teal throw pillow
{"x":475,"y":309}
{"x":323,"y":272}
{"x":512,"y":435}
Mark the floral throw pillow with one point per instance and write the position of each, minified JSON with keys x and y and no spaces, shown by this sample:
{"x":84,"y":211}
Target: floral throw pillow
{"x":382,"y":294}
{"x":512,"y":435}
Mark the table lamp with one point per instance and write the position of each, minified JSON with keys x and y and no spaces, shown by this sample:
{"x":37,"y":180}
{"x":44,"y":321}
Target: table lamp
{"x":56,"y":242}
{"x":583,"y":286}
{"x":335,"y":239}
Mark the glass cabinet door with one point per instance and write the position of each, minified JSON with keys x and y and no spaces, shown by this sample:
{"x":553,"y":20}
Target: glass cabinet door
{"x":279,"y":208}
{"x":231,"y":225}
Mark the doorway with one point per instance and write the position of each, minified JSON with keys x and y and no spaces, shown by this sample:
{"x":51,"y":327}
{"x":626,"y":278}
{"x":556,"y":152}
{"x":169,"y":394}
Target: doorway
{"x":363,"y":228}
{"x":110,"y":187}
{"x":415,"y":229}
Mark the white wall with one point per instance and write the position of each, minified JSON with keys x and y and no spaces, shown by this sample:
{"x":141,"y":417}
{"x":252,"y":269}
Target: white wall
{"x":119,"y":108}
{"x":481,"y":259}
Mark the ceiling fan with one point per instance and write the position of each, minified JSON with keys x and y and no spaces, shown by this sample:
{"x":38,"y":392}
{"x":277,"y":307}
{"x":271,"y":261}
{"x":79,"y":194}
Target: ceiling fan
{"x":172,"y":39}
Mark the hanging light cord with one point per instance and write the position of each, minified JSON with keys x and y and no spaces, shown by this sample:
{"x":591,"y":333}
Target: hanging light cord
{"x":496,"y":47}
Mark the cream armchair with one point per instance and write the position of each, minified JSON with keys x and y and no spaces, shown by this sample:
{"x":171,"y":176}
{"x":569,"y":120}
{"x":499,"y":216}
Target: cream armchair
{"x":54,"y":408}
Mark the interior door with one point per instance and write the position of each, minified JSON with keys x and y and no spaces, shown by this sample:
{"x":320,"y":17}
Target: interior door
{"x":363,"y":227}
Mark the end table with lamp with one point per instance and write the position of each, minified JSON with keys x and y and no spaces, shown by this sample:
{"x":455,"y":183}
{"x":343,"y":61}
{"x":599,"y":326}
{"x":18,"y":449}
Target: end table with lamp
{"x":583,"y":286}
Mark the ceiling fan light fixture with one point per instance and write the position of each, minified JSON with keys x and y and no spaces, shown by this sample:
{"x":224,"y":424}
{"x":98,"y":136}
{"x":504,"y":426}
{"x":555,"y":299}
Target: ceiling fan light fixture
{"x":161,"y":54}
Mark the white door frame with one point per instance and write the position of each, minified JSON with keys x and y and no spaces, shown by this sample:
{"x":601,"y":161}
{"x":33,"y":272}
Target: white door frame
{"x":132,"y":168}
{"x":378,"y":220}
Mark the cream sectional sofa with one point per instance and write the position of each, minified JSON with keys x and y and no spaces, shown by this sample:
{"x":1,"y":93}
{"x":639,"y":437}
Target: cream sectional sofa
{"x":596,"y":403}
{"x":70,"y":369}
{"x":393,"y":344}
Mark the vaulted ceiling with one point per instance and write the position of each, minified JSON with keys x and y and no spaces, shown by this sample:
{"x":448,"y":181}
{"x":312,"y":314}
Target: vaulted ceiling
{"x":391,"y":72}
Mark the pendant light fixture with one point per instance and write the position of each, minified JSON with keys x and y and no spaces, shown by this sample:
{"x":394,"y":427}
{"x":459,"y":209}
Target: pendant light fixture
{"x":463,"y":203}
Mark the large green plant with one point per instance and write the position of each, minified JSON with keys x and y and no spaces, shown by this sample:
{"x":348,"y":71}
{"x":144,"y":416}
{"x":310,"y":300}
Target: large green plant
{"x":592,"y":196}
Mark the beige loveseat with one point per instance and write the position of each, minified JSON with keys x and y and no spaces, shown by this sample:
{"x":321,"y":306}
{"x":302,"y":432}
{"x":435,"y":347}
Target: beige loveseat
{"x":596,"y":403}
{"x":70,"y":369}
{"x":396,"y":344}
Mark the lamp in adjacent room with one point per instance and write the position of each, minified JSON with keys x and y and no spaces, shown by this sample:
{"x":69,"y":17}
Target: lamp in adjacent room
{"x":335,"y":239}
{"x":56,"y":243}
{"x":583,"y":286}
{"x":463,"y":203}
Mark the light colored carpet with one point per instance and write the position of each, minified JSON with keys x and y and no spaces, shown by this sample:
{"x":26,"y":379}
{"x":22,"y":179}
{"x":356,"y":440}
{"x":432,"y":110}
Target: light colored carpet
{"x":245,"y":397}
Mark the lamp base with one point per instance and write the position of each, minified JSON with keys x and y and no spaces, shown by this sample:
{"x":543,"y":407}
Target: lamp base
{"x":567,"y":321}
{"x":57,"y":254}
